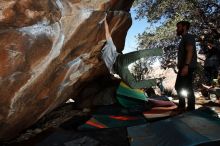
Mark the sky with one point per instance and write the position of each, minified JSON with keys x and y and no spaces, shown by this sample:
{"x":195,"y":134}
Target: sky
{"x":138,"y":26}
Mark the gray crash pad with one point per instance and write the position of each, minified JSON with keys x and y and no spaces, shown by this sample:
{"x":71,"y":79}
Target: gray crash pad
{"x":188,"y":129}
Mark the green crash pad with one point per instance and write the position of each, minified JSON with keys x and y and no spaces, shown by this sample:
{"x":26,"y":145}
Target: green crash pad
{"x":129,"y":97}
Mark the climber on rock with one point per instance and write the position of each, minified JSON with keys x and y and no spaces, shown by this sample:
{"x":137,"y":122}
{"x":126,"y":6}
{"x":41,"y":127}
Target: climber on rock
{"x":118,"y":63}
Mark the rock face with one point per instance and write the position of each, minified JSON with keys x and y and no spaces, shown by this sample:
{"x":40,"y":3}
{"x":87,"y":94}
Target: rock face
{"x":49,"y":51}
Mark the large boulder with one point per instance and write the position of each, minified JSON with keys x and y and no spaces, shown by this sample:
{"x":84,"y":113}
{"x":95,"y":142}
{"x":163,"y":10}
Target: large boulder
{"x":50,"y":51}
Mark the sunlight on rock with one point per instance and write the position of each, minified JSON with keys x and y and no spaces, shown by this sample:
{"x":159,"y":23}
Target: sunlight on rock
{"x":70,"y":101}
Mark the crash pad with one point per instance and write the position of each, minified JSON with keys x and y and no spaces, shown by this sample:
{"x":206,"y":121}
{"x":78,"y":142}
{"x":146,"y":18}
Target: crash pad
{"x":112,"y":121}
{"x":188,"y":129}
{"x":60,"y":137}
{"x":129,"y":97}
{"x":157,"y":113}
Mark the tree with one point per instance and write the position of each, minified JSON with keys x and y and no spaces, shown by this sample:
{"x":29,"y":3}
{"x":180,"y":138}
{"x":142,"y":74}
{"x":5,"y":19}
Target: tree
{"x":163,"y":15}
{"x":203,"y":14}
